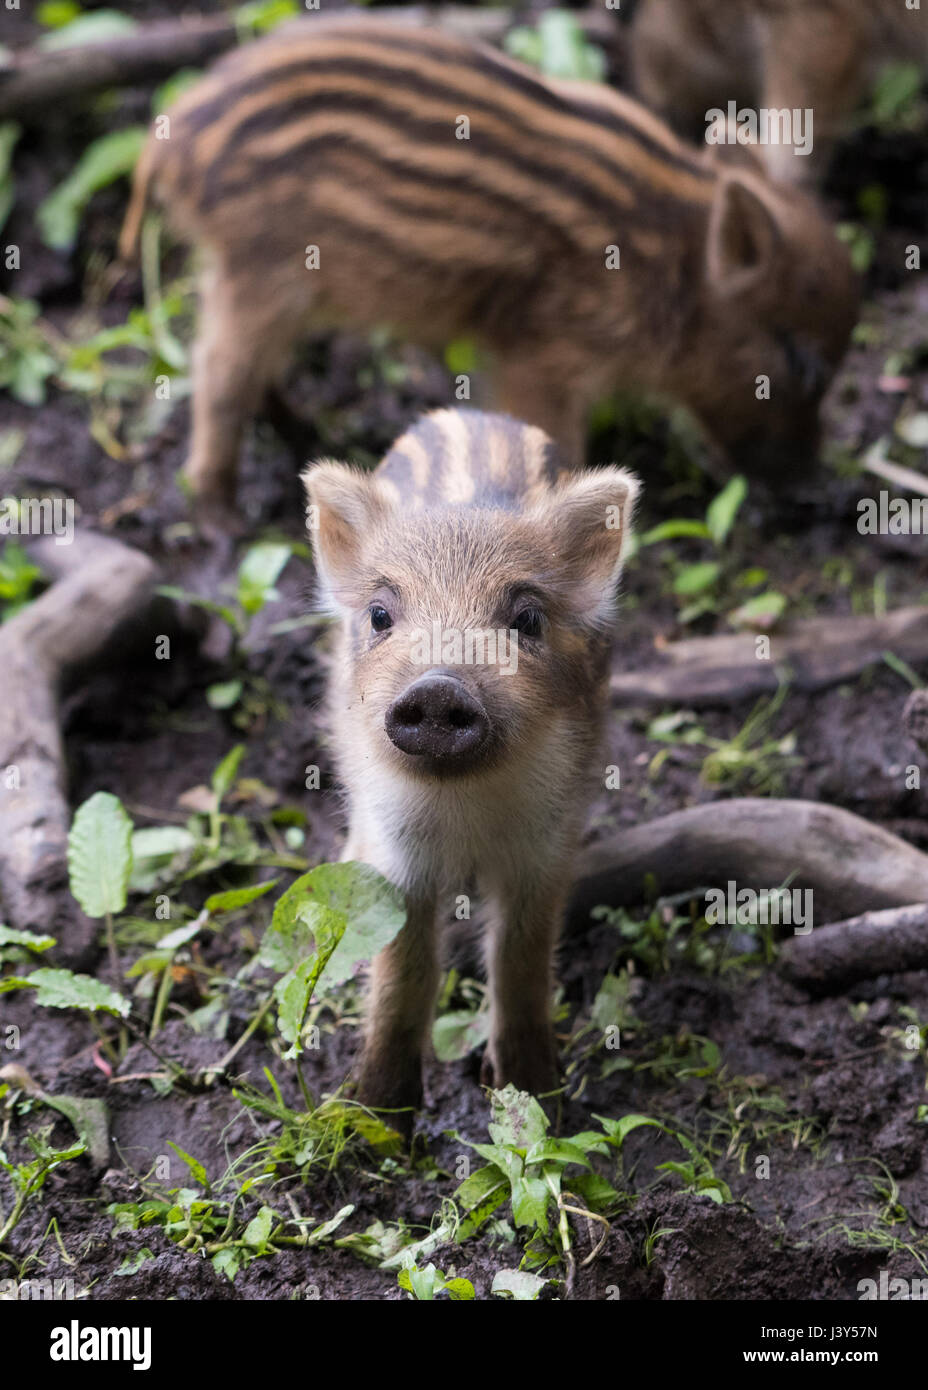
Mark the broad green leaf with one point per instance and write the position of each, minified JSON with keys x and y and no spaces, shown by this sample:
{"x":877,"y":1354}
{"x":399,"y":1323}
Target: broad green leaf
{"x":237,"y":897}
{"x":530,"y":1197}
{"x":100,"y":855}
{"x":155,"y":852}
{"x":518,"y":1284}
{"x":456,"y":1034}
{"x":60,"y":989}
{"x":518,"y":1119}
{"x":722,"y":510}
{"x":557,"y":1151}
{"x":594,"y":1191}
{"x":259,"y":1228}
{"x":258,"y":573}
{"x":333,"y":918}
{"x":105,"y":160}
{"x":227,"y":1262}
{"x":460,"y":1290}
{"x":694,"y":579}
{"x":90,"y":1119}
{"x":9,"y":936}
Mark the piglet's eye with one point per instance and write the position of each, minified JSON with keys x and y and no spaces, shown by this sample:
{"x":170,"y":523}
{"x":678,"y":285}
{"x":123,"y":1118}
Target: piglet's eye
{"x":380,"y":619}
{"x":528,"y":622}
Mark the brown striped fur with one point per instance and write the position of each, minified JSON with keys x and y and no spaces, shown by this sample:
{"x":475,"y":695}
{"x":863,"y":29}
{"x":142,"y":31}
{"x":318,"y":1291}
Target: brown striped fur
{"x":469,"y":519}
{"x":342,"y":135}
{"x":694,"y":55}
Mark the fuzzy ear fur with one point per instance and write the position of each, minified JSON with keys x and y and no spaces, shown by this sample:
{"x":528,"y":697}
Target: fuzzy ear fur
{"x":345,"y":507}
{"x":589,"y":517}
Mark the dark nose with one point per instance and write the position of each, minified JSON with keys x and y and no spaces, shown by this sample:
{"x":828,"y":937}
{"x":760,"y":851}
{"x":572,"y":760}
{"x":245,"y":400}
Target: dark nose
{"x":439,"y":717}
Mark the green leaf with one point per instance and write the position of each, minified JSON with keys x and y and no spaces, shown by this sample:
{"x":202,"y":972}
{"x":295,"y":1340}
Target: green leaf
{"x":89,"y":28}
{"x":9,"y":936}
{"x":224,"y":694}
{"x":155,"y":852}
{"x":53,"y":14}
{"x":260,"y":16}
{"x":518,"y":1284}
{"x":193,"y":1164}
{"x":694,"y":579}
{"x":896,"y":88}
{"x":722,"y":510}
{"x":227,"y":1262}
{"x":460,"y":1032}
{"x":225,"y":773}
{"x":478,"y":1197}
{"x":259,"y":1228}
{"x":518,"y":1119}
{"x":179,"y":936}
{"x":90,"y":1119}
{"x":100,"y":855}
{"x":460,"y":1290}
{"x":530,"y":1197}
{"x":334,"y":918}
{"x":60,"y":989}
{"x":760,"y":612}
{"x":237,"y":897}
{"x":322,"y":1232}
{"x":618,"y":1131}
{"x":258,"y":574}
{"x":674,"y":530}
{"x":105,"y":160}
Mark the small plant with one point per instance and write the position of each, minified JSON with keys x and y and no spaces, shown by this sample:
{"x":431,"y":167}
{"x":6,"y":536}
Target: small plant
{"x":558,"y":47}
{"x":18,"y":577}
{"x":424,"y":1285}
{"x":28,"y":1179}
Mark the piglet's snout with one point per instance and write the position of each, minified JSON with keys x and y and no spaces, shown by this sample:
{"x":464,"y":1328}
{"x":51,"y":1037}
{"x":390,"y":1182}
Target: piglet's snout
{"x":438,"y":717}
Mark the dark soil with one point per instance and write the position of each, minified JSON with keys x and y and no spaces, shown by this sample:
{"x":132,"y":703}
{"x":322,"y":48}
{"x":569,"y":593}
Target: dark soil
{"x":823,"y":1088}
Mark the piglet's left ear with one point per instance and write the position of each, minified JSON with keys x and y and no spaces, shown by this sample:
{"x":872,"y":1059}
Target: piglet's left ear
{"x":591,"y":516}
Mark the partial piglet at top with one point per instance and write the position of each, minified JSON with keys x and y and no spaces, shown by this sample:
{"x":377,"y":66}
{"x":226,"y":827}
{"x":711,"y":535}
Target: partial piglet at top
{"x":805,"y":64}
{"x":357,"y":174}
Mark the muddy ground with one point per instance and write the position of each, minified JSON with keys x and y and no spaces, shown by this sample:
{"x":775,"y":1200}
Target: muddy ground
{"x":748,"y":1066}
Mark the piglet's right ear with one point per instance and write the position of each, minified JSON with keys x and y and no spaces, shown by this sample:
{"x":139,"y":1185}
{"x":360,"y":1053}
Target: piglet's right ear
{"x":345,"y":507}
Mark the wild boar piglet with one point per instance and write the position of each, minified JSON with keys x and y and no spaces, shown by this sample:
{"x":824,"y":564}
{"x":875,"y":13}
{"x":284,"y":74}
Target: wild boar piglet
{"x":474,"y":581}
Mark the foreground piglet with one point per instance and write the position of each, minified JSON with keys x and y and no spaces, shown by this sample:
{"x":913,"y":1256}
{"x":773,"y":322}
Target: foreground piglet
{"x":474,"y":581}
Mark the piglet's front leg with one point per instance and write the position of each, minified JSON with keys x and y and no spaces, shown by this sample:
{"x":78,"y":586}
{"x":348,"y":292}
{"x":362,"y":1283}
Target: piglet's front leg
{"x":401,"y":1000}
{"x":520,"y":954}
